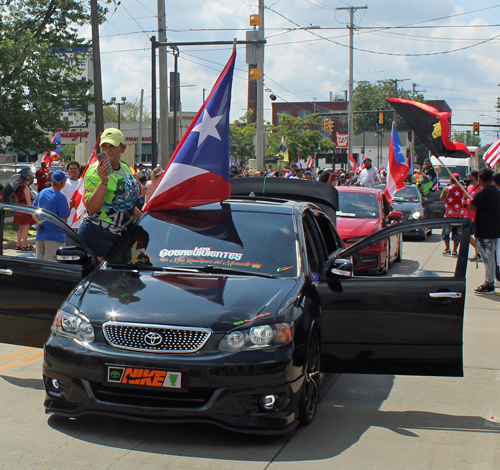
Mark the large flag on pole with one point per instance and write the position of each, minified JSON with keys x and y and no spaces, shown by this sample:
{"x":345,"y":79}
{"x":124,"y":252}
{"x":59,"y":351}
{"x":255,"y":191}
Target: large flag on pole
{"x":492,"y":155}
{"x":431,"y":126}
{"x":398,"y":168}
{"x":198,"y":172}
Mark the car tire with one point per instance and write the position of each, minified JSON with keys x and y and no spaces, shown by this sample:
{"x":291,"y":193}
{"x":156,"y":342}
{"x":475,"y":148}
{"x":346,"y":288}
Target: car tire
{"x":310,"y":393}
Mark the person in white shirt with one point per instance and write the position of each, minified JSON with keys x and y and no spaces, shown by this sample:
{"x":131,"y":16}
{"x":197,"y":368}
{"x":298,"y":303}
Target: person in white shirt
{"x":368,"y":176}
{"x":73,"y":170}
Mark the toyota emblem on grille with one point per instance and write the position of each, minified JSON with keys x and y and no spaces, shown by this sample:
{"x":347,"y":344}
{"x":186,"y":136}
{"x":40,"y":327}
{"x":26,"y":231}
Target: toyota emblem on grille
{"x":153,"y":339}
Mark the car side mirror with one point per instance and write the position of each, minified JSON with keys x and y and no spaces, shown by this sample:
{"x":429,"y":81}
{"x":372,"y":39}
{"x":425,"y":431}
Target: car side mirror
{"x":395,"y":215}
{"x":338,"y":268}
{"x":73,"y":255}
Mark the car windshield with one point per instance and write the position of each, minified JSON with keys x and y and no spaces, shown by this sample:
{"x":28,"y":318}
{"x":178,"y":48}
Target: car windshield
{"x":358,"y":205}
{"x":408,"y":194}
{"x":255,"y":242}
{"x":443,"y":174}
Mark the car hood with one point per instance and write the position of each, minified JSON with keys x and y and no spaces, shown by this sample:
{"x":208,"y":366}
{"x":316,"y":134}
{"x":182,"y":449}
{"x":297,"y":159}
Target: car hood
{"x":355,"y":228}
{"x":212,"y":301}
{"x":406,"y":207}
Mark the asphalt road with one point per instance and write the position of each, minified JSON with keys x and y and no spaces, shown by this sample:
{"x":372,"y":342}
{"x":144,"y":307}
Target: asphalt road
{"x":363,"y":421}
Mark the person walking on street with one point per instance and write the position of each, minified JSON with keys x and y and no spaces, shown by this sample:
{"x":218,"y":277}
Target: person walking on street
{"x":48,"y":237}
{"x":22,"y":195}
{"x":452,"y":197}
{"x":73,"y":169}
{"x":486,"y":205}
{"x":473,"y":188}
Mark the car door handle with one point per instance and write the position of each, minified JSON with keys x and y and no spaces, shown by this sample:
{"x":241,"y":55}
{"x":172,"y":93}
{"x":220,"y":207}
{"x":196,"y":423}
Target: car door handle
{"x":445,"y":295}
{"x":7,"y":272}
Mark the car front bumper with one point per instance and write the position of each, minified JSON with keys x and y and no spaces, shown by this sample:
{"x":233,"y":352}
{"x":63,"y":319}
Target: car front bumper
{"x":223,"y":389}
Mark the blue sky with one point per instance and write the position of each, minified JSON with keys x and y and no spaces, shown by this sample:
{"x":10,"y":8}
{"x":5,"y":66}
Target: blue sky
{"x":448,"y":48}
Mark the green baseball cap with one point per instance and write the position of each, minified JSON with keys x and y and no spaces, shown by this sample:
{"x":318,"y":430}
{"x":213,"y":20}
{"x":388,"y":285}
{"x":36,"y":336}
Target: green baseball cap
{"x":112,"y":136}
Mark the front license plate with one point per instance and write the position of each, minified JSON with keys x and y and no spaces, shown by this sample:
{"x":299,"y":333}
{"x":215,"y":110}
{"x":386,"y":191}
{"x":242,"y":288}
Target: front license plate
{"x":151,"y":378}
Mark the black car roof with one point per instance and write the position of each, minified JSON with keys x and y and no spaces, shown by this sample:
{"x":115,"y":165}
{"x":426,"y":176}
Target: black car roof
{"x":324,"y":195}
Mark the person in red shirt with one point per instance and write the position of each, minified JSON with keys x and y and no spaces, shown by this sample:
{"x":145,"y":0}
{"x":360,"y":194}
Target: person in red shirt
{"x":452,"y":196}
{"x":42,"y":176}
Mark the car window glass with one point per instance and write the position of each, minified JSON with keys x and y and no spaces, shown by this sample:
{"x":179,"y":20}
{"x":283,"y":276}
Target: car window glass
{"x":252,"y":241}
{"x":315,"y":249}
{"x":358,"y":205}
{"x":407,"y":194}
{"x":327,"y":233}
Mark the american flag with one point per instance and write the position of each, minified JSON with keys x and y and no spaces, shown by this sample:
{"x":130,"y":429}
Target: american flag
{"x":492,"y":155}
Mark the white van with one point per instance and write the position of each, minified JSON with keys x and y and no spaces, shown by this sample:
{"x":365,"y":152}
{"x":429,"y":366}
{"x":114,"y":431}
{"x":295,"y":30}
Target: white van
{"x":462,"y":166}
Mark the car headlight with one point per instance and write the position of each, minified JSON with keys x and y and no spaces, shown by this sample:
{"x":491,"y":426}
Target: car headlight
{"x":73,"y":324}
{"x":416,"y":215}
{"x":260,"y":336}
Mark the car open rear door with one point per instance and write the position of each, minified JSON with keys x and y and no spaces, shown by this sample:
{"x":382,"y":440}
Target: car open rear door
{"x":31,"y":290}
{"x":409,"y":324}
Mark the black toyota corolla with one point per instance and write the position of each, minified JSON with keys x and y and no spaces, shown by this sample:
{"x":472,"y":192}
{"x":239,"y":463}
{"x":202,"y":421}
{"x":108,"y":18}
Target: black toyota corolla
{"x":225,"y":314}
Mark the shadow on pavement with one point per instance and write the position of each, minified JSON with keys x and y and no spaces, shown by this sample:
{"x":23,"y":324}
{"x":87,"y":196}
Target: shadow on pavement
{"x":36,"y":384}
{"x":349,"y":408}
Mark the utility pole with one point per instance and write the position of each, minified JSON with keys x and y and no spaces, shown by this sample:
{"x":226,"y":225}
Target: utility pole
{"x":139,"y":144}
{"x":260,"y":152}
{"x":163,"y":77}
{"x":351,"y":66}
{"x":96,"y":56}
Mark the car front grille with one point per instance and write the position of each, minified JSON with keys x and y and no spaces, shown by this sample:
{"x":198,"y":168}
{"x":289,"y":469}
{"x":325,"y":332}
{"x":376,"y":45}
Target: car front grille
{"x":155,"y":338}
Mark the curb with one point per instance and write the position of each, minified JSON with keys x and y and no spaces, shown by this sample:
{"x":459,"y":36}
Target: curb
{"x":10,"y":244}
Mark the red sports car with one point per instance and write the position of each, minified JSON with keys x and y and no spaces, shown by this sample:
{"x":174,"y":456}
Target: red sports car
{"x":362,"y":212}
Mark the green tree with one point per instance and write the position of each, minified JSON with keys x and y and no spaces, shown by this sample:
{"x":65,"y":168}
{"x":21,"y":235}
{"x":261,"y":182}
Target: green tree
{"x":241,"y":134}
{"x":299,"y":136}
{"x":68,"y":152}
{"x":467,"y":138}
{"x":129,"y":112}
{"x":39,"y":78}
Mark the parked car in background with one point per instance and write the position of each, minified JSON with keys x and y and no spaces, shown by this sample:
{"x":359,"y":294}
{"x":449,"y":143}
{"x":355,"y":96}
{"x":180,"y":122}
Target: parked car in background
{"x":361,"y":213}
{"x":415,"y":206}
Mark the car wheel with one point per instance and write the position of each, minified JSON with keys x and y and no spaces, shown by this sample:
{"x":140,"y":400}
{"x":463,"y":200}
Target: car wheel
{"x":310,"y":388}
{"x":400,"y":251}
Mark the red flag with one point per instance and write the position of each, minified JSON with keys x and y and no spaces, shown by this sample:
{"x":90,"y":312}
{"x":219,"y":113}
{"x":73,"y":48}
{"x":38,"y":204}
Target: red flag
{"x":310,"y":162}
{"x":492,"y":155}
{"x":47,"y":158}
{"x":398,"y":168}
{"x":352,"y":163}
{"x":79,"y":194}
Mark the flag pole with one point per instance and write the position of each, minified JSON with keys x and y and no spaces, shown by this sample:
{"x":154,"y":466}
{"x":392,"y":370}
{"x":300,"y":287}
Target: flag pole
{"x":467,"y":195}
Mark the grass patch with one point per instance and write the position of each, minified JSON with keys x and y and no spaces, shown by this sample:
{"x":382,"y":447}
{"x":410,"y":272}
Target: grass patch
{"x":10,"y":232}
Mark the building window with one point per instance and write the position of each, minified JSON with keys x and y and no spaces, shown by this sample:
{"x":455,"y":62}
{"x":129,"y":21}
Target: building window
{"x":287,"y":112}
{"x":302,"y":113}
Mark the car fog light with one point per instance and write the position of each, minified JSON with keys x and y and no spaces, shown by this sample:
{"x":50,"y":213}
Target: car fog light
{"x":268,"y":402}
{"x":55,"y":384}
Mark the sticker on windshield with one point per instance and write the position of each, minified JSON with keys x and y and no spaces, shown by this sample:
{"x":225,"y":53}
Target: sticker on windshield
{"x":201,"y":252}
{"x":282,"y":270}
{"x":346,"y":214}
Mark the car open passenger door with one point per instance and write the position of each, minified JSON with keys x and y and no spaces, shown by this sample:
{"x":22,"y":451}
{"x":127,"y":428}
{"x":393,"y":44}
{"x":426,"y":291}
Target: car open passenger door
{"x":410,"y":323}
{"x":31,"y":289}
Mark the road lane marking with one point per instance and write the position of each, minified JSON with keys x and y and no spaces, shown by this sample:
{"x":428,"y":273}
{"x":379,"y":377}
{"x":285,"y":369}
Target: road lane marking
{"x":21,"y":361}
{"x":6,"y":357}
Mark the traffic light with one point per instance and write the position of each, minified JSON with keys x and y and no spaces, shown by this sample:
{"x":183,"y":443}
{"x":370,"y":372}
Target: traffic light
{"x":381,"y":118}
{"x":332,"y":126}
{"x":475,"y":128}
{"x":326,"y":124}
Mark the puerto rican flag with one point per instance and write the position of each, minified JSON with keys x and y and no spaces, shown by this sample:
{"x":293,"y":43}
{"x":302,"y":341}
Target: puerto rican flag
{"x":311,"y":163}
{"x":352,"y":163}
{"x":79,"y":194}
{"x":198,"y":172}
{"x":398,"y":168}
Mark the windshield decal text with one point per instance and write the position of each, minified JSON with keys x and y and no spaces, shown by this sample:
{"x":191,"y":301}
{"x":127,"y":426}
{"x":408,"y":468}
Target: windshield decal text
{"x":202,"y":251}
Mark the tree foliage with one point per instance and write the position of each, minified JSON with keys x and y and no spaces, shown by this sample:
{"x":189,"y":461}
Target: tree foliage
{"x":296,"y":131}
{"x":129,"y":112}
{"x":40,"y":78}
